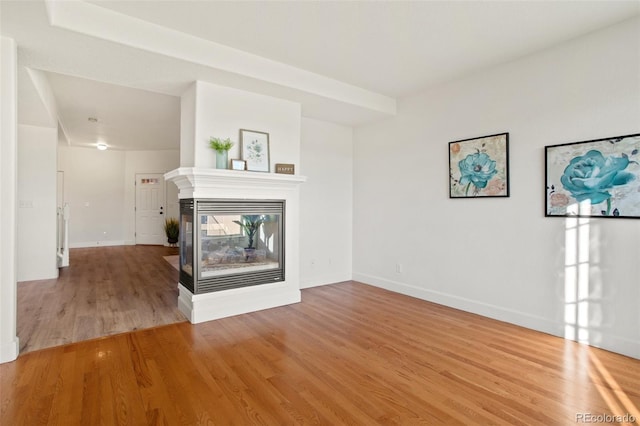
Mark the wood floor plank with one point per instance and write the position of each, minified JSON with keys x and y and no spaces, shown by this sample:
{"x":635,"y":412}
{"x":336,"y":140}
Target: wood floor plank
{"x":104,"y":291}
{"x":347,"y":354}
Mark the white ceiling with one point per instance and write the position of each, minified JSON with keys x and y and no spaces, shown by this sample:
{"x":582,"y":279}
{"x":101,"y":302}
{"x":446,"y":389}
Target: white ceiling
{"x":126,"y":117}
{"x":389,"y":47}
{"x":127,"y":62}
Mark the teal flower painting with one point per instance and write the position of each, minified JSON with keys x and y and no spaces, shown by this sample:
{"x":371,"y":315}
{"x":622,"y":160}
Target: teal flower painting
{"x":591,"y":176}
{"x":476,"y":169}
{"x":479,"y":167}
{"x":597,"y":178}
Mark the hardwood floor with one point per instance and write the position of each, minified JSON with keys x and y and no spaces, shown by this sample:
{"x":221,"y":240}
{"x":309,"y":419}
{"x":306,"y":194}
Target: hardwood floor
{"x":104,"y":291}
{"x":347,"y":354}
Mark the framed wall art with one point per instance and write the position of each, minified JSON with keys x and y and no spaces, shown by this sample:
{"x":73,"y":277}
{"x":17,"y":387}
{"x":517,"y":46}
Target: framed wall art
{"x":479,"y":167}
{"x":254,"y":147}
{"x":597,"y":178}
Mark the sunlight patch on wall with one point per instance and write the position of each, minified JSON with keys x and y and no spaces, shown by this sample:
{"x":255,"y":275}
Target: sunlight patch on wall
{"x":577,"y":273}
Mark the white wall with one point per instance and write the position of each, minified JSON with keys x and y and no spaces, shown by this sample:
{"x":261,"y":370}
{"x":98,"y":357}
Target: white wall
{"x":188,"y":127}
{"x":100,"y":189}
{"x":501,"y":257}
{"x":222,"y":111}
{"x":326,"y":199}
{"x":94,"y":189}
{"x":9,"y":343}
{"x":37,"y":203}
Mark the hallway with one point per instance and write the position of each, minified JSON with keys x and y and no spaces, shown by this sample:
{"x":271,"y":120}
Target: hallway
{"x":104,"y":291}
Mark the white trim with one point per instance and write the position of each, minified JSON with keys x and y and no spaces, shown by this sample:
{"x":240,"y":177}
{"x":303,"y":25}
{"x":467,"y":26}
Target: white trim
{"x":325,"y":279}
{"x":194,"y":182}
{"x":98,"y":244}
{"x":9,"y":351}
{"x":9,"y":347}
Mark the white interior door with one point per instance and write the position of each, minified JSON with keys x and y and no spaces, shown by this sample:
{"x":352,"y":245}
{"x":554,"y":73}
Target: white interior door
{"x":150,"y":209}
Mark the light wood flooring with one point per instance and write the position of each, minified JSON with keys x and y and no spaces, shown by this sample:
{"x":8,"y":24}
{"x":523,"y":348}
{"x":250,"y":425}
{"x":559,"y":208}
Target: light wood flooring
{"x":348,"y":354}
{"x":104,"y":291}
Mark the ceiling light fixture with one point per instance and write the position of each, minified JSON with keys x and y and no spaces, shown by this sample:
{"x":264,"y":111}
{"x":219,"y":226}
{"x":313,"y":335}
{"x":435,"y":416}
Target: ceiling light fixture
{"x":101,"y":146}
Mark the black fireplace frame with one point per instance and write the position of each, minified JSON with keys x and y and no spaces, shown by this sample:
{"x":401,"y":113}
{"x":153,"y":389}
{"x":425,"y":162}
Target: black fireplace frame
{"x":196,"y":206}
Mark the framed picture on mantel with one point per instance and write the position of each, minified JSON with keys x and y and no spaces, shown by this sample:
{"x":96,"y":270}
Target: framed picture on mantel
{"x":254,"y":148}
{"x":238,"y":165}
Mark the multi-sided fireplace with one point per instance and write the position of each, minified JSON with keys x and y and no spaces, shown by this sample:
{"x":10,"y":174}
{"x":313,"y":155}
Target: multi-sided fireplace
{"x":227,"y":244}
{"x":220,"y":275}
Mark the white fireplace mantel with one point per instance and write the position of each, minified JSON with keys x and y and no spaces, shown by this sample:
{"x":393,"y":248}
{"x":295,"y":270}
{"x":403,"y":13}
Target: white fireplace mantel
{"x":203,"y":183}
{"x":195,"y":182}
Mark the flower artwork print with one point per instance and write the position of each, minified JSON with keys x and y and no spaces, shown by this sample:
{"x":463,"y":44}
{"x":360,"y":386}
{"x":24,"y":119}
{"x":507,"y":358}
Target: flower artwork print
{"x":479,"y":167}
{"x":599,"y":178}
{"x":255,"y":150}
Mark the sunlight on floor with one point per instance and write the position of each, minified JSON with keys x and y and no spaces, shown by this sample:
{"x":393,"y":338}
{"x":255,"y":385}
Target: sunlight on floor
{"x":582,"y":309}
{"x":617,"y":400}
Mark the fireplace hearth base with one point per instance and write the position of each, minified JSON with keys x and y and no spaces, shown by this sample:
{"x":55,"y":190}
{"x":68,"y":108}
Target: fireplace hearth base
{"x":221,"y":304}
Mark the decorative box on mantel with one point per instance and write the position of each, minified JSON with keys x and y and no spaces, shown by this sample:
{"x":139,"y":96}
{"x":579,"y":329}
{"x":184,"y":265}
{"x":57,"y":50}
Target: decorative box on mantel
{"x":213,"y":283}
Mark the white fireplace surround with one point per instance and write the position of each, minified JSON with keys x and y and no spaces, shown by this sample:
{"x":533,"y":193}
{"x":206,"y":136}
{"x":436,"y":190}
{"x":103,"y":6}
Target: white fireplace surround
{"x":202,"y":183}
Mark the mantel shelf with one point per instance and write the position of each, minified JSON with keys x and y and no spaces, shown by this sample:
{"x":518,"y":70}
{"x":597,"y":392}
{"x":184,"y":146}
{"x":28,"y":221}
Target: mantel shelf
{"x":200,"y":182}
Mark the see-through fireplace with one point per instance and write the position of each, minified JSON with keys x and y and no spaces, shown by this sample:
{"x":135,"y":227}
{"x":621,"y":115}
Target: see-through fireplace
{"x":227,"y":244}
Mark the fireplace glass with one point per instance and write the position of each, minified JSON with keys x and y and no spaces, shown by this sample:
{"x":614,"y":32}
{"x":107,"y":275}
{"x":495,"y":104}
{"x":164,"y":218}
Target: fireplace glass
{"x":230,"y":243}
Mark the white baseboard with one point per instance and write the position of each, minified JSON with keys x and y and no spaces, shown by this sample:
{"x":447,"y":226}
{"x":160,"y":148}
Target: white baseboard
{"x":9,"y":350}
{"x":616,"y":344}
{"x":324,"y":280}
{"x":37,"y":275}
{"x":97,"y":244}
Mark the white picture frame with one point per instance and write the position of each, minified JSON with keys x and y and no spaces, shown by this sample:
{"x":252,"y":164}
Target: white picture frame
{"x":238,"y":165}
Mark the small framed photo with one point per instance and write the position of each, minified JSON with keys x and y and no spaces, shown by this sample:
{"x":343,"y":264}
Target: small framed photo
{"x":238,"y":165}
{"x":479,"y":167}
{"x":254,"y":149}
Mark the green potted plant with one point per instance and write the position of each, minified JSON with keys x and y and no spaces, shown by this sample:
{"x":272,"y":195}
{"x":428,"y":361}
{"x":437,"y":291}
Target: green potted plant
{"x":221,"y":147}
{"x":251,"y":224}
{"x":172,"y":230}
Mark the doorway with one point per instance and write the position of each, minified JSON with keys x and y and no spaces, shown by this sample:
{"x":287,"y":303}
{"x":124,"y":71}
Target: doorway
{"x":150,"y":208}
